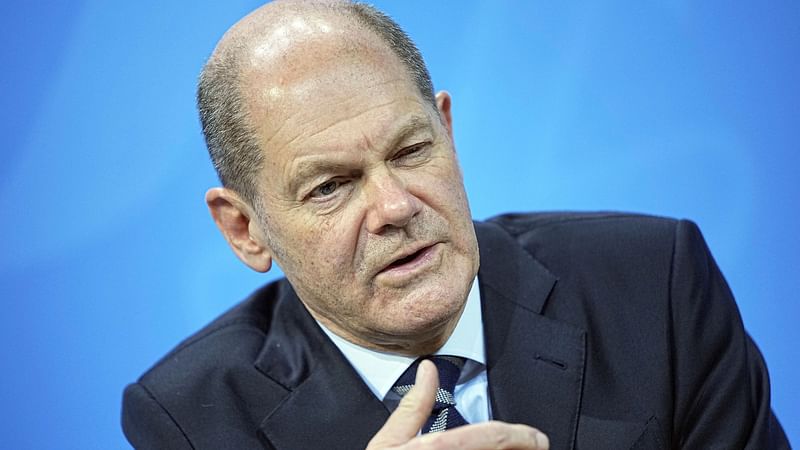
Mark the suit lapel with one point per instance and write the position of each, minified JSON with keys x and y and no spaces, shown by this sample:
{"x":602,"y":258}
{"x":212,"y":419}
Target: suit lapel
{"x":534,"y":364}
{"x":328,"y":405}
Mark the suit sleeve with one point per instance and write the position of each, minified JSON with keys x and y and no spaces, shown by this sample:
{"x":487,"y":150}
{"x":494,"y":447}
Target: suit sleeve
{"x":146,"y":424}
{"x":721,"y":385}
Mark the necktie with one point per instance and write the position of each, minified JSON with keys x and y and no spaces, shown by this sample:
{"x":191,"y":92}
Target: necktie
{"x":444,"y":415}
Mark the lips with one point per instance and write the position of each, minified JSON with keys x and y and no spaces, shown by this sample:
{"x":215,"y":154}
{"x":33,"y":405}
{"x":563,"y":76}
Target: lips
{"x":408,"y":260}
{"x":405,"y":259}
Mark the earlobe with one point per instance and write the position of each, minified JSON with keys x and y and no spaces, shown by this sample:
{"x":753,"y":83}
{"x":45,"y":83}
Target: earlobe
{"x":233,"y":217}
{"x":443,"y":104}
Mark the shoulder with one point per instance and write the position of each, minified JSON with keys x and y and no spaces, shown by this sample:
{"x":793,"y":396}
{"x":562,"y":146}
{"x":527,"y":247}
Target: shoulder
{"x":212,"y":376}
{"x":584,"y":225}
{"x":571,"y":242}
{"x":615,"y":272}
{"x":233,"y":338}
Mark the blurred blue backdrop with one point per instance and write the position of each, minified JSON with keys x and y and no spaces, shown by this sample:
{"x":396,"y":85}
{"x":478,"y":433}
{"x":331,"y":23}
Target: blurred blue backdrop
{"x":109,"y":258}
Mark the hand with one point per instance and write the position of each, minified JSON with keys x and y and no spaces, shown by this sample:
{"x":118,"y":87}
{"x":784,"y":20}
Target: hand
{"x":400,"y":430}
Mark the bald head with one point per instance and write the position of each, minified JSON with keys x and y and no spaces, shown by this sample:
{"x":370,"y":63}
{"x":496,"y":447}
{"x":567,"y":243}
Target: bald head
{"x":281,"y":41}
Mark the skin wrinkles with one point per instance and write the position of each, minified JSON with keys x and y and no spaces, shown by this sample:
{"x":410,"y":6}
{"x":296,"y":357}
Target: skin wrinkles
{"x":389,"y":245}
{"x":300,"y":130}
{"x":295,"y":80}
{"x":384,"y":246}
{"x":307,"y":167}
{"x":348,"y":105}
{"x":356,"y":116}
{"x":373,"y":250}
{"x":291,"y":172}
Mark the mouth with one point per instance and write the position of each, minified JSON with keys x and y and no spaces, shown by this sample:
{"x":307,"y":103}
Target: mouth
{"x":410,"y":262}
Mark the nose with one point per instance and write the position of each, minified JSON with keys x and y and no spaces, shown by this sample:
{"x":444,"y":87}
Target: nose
{"x":390,"y":204}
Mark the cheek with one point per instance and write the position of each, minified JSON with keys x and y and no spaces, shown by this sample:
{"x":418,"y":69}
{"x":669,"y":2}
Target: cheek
{"x":328,"y":243}
{"x":441,"y":187}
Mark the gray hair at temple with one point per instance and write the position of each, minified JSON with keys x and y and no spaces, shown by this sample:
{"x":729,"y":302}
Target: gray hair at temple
{"x":229,"y":136}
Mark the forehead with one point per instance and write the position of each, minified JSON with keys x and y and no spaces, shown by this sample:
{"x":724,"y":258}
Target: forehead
{"x":326,"y":90}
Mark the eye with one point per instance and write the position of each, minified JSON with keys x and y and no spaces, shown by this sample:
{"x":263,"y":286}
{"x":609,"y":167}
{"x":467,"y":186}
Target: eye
{"x":325,"y":189}
{"x":411,"y":151}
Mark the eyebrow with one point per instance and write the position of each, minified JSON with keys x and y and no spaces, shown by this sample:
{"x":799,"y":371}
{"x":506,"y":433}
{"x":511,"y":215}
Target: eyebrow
{"x":414,"y":125}
{"x":308,"y":170}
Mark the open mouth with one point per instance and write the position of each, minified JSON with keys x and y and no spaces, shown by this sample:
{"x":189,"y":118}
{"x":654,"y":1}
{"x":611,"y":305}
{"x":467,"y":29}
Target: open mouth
{"x":410,"y":260}
{"x":406,"y":259}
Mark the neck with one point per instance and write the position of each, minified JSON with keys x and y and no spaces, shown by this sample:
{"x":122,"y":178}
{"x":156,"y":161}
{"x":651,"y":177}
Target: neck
{"x":425,"y":342}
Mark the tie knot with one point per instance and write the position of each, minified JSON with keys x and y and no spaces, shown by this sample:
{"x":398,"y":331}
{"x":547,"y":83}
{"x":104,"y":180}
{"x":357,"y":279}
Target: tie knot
{"x":448,"y":367}
{"x":444,"y":414}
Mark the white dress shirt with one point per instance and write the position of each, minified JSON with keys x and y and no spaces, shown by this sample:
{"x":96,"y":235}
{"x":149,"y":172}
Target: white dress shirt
{"x":380,"y":370}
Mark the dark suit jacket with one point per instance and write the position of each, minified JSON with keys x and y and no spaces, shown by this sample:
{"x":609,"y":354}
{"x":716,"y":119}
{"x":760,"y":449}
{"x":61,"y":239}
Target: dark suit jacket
{"x":602,"y":330}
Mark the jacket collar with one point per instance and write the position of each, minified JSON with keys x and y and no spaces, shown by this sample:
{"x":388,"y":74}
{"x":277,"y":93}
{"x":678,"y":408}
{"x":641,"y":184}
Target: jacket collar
{"x":328,"y":405}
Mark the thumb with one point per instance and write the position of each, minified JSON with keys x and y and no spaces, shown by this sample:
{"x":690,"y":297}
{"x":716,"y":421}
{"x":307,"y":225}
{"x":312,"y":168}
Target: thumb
{"x":413,"y":410}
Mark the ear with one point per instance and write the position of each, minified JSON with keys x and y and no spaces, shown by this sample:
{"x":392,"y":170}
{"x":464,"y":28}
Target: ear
{"x":236,"y":220}
{"x":443,"y":101}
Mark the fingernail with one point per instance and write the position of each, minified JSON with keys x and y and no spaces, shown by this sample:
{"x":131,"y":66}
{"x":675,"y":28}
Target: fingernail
{"x":421,"y":368}
{"x":542,"y":441}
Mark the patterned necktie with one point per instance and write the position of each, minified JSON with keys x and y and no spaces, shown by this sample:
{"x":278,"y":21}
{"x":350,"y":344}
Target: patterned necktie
{"x":444,"y":415}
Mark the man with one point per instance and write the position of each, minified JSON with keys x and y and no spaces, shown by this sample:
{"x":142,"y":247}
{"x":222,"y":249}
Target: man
{"x":338,"y":163}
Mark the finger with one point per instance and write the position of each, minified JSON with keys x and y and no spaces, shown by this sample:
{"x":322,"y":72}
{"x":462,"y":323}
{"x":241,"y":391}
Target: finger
{"x":486,"y":435}
{"x":415,"y":407}
{"x":413,"y":410}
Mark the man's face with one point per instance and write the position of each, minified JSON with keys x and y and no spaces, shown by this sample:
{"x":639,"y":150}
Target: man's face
{"x":363,"y":203}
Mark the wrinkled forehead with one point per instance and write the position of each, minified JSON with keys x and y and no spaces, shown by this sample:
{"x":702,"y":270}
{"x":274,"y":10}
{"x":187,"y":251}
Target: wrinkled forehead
{"x":309,"y":73}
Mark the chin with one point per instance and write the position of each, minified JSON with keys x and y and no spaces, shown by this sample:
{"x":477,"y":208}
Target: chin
{"x":429,"y":313}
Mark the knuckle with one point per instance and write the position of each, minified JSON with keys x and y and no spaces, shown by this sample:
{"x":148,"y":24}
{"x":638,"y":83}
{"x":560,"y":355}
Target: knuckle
{"x":407,"y":403}
{"x":498,"y":433}
{"x":536,"y":436}
{"x":405,"y":406}
{"x":500,"y":440}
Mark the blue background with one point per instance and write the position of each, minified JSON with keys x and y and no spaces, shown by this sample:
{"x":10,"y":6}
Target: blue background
{"x":109,"y":258}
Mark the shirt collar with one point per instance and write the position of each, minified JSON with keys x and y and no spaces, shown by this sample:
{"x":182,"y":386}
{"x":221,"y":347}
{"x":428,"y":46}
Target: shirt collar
{"x":380,"y":370}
